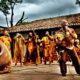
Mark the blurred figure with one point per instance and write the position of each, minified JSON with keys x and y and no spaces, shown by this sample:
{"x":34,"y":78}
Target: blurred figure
{"x":37,"y":40}
{"x":65,"y":45}
{"x":31,"y":53}
{"x":19,"y":49}
{"x":77,"y":47}
{"x":53,"y":55}
{"x":46,"y":47}
{"x":7,"y":41}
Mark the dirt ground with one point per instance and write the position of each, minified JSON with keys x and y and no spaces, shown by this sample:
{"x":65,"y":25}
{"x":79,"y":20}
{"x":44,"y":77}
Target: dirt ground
{"x":40,"y":72}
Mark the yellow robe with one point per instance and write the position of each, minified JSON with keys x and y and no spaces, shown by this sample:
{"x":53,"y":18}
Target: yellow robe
{"x":7,"y":42}
{"x":38,"y":52}
{"x":46,"y":47}
{"x":19,"y":49}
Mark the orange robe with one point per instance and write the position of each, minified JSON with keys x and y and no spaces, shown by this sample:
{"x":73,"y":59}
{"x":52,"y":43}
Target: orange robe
{"x":53,"y":54}
{"x":19,"y":50}
{"x":38,"y":52}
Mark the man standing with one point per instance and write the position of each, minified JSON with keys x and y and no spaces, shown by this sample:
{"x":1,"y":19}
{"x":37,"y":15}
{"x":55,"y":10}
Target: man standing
{"x":65,"y":39}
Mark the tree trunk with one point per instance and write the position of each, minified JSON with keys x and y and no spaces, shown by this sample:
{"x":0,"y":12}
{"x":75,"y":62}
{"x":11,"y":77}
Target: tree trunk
{"x":12,"y":13}
{"x":21,"y":19}
{"x":7,"y":21}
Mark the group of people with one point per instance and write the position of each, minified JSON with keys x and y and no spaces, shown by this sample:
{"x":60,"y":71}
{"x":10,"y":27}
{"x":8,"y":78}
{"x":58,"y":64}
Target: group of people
{"x":37,"y":50}
{"x":62,"y":46}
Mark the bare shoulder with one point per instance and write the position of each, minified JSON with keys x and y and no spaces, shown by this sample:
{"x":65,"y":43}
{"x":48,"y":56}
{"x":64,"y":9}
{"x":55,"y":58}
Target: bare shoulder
{"x":72,"y":30}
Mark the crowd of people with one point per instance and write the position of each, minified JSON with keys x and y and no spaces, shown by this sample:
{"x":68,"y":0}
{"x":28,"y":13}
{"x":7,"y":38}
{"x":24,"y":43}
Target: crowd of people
{"x":62,"y":46}
{"x":37,"y":50}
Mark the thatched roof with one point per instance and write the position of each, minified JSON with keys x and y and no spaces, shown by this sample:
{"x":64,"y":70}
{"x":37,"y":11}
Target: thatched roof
{"x":2,"y":28}
{"x":73,"y":20}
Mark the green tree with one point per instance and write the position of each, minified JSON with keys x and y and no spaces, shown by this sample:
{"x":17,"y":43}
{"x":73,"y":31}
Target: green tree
{"x":7,"y":7}
{"x":78,"y":2}
{"x":4,"y":8}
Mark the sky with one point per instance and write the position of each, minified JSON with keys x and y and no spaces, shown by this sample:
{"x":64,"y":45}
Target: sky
{"x":40,"y":9}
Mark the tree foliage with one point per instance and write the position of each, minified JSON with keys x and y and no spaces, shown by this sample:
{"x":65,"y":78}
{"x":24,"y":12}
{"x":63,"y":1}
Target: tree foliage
{"x":7,"y":7}
{"x":78,"y":2}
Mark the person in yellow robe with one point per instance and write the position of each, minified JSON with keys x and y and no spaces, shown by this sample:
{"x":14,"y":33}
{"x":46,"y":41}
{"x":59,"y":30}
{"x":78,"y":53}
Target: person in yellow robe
{"x":7,"y":41}
{"x":37,"y":40}
{"x":46,"y":47}
{"x":32,"y":54}
{"x":53,"y":54}
{"x":19,"y":49}
{"x":29,"y":42}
